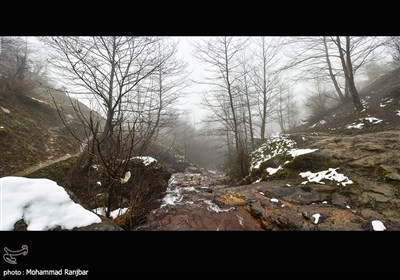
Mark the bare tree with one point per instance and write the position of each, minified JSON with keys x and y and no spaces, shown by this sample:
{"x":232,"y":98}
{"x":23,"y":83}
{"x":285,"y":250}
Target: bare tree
{"x":393,"y":43}
{"x":111,"y":69}
{"x":159,"y":94}
{"x":330,"y":58}
{"x":248,"y":97}
{"x":286,"y":109}
{"x":221,"y":54}
{"x":265,"y":77}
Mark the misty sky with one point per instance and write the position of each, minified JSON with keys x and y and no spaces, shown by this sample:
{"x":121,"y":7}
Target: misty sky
{"x":190,"y":103}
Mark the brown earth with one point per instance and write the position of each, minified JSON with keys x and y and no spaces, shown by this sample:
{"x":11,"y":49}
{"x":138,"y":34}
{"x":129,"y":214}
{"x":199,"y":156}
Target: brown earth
{"x":32,"y":133}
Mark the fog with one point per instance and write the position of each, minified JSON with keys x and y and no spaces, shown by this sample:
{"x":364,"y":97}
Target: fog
{"x":237,"y":90}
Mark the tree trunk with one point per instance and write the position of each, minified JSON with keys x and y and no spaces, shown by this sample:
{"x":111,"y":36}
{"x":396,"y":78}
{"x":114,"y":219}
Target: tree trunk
{"x":348,"y":72}
{"x":352,"y":87}
{"x":333,"y":78}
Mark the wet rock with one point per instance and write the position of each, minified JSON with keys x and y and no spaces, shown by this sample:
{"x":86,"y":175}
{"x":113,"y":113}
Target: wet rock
{"x":256,"y":210}
{"x":105,"y":225}
{"x":339,"y":200}
{"x":193,"y":169}
{"x":306,"y":215}
{"x":390,"y":173}
{"x":20,"y":225}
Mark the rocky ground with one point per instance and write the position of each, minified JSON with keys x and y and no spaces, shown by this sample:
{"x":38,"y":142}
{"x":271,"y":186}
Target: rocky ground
{"x":190,"y":204}
{"x":195,"y":201}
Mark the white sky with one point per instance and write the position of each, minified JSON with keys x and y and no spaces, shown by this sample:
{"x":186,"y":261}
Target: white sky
{"x":190,"y":103}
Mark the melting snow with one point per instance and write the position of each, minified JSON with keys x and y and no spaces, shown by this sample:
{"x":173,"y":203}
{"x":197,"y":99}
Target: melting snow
{"x":5,"y":110}
{"x":113,"y":214}
{"x":190,"y":189}
{"x":42,"y":204}
{"x":360,"y":125}
{"x":274,"y":146}
{"x":354,"y":125}
{"x":299,"y":152}
{"x":378,"y":225}
{"x":316,"y":218}
{"x":146,"y":160}
{"x":212,"y":207}
{"x":329,"y":174}
{"x":240,"y":219}
{"x":373,"y":120}
{"x":274,"y":200}
{"x":321,"y":122}
{"x":272,"y":171}
{"x":38,"y":100}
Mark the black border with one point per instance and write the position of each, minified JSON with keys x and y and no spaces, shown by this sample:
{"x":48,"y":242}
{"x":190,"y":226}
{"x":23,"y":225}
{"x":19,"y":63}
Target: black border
{"x":167,"y":18}
{"x":187,"y":255}
{"x":266,"y":255}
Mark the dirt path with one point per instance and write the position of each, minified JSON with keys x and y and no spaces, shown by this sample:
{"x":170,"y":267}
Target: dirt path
{"x":42,"y":164}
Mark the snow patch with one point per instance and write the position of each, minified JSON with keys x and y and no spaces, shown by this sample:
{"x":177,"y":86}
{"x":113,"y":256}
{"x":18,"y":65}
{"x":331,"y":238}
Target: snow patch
{"x":329,"y":174}
{"x":261,"y":193}
{"x":42,"y":204}
{"x":146,"y":160}
{"x":274,"y":200}
{"x":355,"y":125}
{"x":316,"y":218}
{"x":98,"y":183}
{"x":348,"y":207}
{"x":274,"y":146}
{"x":288,"y":185}
{"x":378,"y":225}
{"x":373,"y":120}
{"x":324,"y":202}
{"x":360,"y":125}
{"x":398,"y":113}
{"x":38,"y":100}
{"x":1,"y":127}
{"x":272,"y":171}
{"x":299,"y":152}
{"x":5,"y":110}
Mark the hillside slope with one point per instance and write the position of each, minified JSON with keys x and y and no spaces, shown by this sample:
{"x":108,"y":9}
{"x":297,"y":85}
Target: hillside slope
{"x":381,"y":100}
{"x":340,"y":172}
{"x":31,"y":131}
